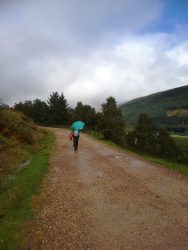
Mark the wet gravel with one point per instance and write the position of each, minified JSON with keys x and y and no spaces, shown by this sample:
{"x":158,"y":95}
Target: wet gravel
{"x":103,"y":198}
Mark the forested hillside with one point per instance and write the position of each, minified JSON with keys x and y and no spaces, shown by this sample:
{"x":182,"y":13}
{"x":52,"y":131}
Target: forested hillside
{"x":168,"y":107}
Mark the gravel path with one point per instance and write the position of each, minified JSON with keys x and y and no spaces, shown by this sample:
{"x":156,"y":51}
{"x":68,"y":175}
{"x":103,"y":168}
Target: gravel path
{"x":102,"y":198}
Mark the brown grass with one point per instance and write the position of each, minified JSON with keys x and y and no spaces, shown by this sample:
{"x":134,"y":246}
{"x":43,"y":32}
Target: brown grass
{"x":177,"y":112}
{"x":18,"y":135}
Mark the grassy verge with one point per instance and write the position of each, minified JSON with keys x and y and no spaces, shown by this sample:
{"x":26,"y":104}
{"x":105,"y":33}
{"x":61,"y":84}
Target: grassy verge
{"x":178,"y":167}
{"x":16,"y":196}
{"x":182,"y":142}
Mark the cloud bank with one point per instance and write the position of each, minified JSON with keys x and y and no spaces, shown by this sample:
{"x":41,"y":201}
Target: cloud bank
{"x":137,"y":66}
{"x":88,"y":50}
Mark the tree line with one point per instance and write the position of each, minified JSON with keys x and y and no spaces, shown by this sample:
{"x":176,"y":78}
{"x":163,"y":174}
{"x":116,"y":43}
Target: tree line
{"x":154,"y":140}
{"x":109,"y":123}
{"x":56,"y":111}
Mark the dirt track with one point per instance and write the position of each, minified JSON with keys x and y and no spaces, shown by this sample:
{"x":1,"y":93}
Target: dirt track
{"x":103,"y":198}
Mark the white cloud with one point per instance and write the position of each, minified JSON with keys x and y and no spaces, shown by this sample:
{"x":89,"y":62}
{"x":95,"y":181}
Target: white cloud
{"x":139,"y":65}
{"x":87,"y":49}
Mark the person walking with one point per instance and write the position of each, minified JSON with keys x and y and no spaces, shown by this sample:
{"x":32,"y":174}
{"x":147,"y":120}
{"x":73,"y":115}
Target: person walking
{"x":76,"y":135}
{"x":76,"y":127}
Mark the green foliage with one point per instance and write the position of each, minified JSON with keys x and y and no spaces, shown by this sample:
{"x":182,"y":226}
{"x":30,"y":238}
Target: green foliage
{"x":99,"y":122}
{"x":26,"y":108}
{"x":11,"y":158}
{"x":178,"y":167}
{"x":155,"y":141}
{"x":112,"y":121}
{"x":131,"y":139}
{"x":157,"y":105}
{"x":3,"y":105}
{"x":182,"y":143}
{"x":40,"y":112}
{"x":145,"y":134}
{"x":58,"y":108}
{"x":174,"y":165}
{"x":167,"y":147}
{"x":85,"y":113}
{"x":54,"y":112}
{"x":37,"y":110}
{"x":14,"y":124}
{"x":6,"y":142}
{"x":17,"y":134}
{"x":15,"y":198}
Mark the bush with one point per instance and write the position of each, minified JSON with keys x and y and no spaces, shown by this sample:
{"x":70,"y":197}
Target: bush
{"x":152,"y":140}
{"x":167,"y":146}
{"x":131,"y":139}
{"x":146,"y":135}
{"x":15,"y":125}
{"x":108,"y":134}
{"x":111,"y":125}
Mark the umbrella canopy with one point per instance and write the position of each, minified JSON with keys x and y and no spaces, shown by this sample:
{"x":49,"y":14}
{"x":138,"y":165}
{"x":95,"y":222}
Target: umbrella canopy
{"x":78,"y":125}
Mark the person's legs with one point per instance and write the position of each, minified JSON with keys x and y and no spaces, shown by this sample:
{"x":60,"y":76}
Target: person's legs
{"x":75,"y":142}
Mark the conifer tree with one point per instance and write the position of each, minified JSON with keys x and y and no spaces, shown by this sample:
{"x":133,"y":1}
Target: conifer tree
{"x":146,"y":134}
{"x":58,"y":108}
{"x":151,"y":139}
{"x":86,"y":114}
{"x":112,"y":121}
{"x":40,"y":112}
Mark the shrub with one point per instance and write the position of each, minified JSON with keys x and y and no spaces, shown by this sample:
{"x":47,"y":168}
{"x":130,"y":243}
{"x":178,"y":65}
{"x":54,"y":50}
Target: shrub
{"x":112,"y":125}
{"x":150,"y":139}
{"x":167,"y":146}
{"x":16,"y":125}
{"x":146,"y":135}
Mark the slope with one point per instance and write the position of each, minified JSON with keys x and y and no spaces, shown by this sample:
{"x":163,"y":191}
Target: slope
{"x":169,"y":106}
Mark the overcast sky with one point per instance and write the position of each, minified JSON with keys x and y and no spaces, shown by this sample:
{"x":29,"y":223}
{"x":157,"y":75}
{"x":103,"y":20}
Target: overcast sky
{"x":92,"y":49}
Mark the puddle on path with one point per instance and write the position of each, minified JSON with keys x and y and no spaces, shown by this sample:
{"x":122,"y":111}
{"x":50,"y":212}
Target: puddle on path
{"x":118,"y":157}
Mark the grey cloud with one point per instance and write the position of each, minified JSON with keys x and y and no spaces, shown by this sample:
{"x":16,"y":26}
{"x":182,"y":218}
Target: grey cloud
{"x":83,"y":19}
{"x":139,"y":66}
{"x":46,"y":45}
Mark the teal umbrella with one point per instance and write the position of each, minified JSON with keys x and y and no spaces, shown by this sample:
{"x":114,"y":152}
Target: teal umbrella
{"x":78,"y":125}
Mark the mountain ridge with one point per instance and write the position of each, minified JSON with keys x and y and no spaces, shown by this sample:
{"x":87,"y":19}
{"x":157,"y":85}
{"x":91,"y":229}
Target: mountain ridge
{"x":157,"y":105}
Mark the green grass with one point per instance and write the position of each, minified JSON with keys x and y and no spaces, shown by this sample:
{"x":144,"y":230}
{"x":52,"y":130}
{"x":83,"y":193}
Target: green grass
{"x":156,"y":105}
{"x":182,"y":142}
{"x":16,"y":197}
{"x":178,"y":167}
{"x":16,"y":126}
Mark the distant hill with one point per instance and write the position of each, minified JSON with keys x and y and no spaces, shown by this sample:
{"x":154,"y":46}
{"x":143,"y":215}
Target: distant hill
{"x":169,"y":107}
